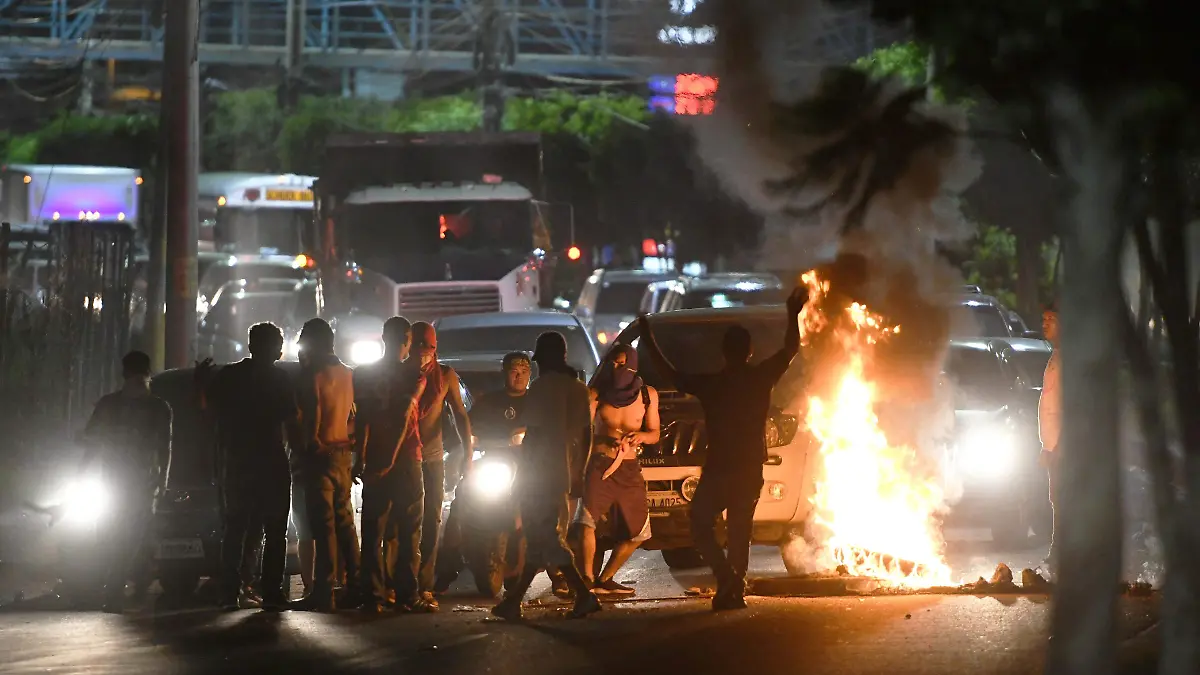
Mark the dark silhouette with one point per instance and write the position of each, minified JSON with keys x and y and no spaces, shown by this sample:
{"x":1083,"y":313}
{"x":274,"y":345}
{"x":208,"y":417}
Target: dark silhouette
{"x":324,"y":452}
{"x":736,"y":402}
{"x":557,"y":429}
{"x":441,"y":388}
{"x":388,"y":443}
{"x":130,"y":433}
{"x":254,"y":406}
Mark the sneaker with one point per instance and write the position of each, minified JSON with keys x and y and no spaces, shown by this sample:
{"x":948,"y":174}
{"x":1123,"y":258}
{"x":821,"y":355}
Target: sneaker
{"x":509,"y":610}
{"x":611,"y":587}
{"x":248,"y":601}
{"x":728,"y":601}
{"x":558,"y":586}
{"x":585,"y":605}
{"x":426,"y":604}
{"x":311,"y":604}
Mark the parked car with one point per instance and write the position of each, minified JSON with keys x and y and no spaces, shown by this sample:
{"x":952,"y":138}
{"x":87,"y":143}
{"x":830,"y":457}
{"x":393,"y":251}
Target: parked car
{"x":983,"y":316}
{"x":239,"y":304}
{"x":991,"y":459}
{"x":609,"y":300}
{"x":475,"y":344}
{"x":717,"y":291}
{"x":691,"y":339}
{"x":219,"y":269}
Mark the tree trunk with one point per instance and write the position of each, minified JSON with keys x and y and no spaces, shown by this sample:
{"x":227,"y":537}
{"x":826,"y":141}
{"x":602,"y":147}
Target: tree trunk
{"x":1089,"y":539}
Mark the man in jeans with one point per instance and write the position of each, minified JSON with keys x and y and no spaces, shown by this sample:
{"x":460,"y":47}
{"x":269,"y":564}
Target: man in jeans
{"x":736,"y":402}
{"x":1050,"y":420}
{"x":441,"y":387}
{"x":254,"y":406}
{"x":389,"y":445}
{"x":325,"y":392}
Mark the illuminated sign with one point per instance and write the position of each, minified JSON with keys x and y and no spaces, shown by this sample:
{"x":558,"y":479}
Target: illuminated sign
{"x":686,"y":35}
{"x":685,"y":94}
{"x":289,"y":195}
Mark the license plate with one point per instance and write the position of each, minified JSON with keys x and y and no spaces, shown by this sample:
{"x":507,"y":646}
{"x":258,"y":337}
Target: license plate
{"x":664,"y":500}
{"x":289,"y":195}
{"x":180,"y":549}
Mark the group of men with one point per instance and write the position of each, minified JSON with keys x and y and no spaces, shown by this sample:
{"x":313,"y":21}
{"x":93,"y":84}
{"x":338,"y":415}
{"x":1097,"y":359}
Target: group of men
{"x":299,"y":444}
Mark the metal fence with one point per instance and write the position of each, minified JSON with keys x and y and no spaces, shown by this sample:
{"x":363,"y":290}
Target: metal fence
{"x":64,"y":324}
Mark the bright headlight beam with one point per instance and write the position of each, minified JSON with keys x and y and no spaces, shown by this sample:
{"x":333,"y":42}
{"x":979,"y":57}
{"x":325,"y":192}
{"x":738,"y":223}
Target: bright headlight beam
{"x":492,"y":479}
{"x":366,"y":351}
{"x":987,"y":452}
{"x":85,"y":501}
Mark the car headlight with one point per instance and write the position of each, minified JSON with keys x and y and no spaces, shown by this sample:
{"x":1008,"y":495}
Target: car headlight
{"x":986,"y":452}
{"x":688,"y":489}
{"x":780,"y":430}
{"x":491,"y":480}
{"x":366,"y":351}
{"x":291,"y":349}
{"x":201,"y":305}
{"x":85,"y":501}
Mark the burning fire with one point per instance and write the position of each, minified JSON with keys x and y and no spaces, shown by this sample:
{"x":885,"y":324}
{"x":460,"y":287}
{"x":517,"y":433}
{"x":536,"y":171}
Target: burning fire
{"x":876,"y":503}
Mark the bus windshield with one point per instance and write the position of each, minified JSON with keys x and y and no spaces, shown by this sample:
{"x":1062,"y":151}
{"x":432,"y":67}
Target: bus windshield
{"x":251,"y":230}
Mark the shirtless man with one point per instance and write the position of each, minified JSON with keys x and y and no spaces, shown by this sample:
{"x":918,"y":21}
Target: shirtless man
{"x":625,"y":415}
{"x":441,"y":386}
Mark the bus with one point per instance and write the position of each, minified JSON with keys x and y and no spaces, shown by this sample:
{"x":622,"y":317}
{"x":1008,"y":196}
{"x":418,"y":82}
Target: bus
{"x":255,"y":213}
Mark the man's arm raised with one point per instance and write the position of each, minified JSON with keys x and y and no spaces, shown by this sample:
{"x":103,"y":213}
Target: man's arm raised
{"x":661,"y":364}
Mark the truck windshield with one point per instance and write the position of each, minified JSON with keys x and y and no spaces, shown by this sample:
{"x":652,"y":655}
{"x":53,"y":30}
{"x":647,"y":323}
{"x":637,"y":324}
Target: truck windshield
{"x":251,"y":230}
{"x":502,"y":339}
{"x":416,"y":241}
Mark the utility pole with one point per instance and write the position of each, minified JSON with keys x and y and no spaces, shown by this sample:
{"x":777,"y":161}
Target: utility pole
{"x":294,"y":51}
{"x":181,"y":68}
{"x":494,"y":51}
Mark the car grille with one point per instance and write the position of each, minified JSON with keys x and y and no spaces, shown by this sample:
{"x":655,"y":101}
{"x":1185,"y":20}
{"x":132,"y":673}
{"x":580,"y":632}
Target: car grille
{"x":433,"y":302}
{"x":683,"y":443}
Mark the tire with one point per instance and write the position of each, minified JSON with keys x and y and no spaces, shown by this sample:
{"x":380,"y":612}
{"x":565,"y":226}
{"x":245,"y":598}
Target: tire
{"x":682,"y":558}
{"x":179,"y":584}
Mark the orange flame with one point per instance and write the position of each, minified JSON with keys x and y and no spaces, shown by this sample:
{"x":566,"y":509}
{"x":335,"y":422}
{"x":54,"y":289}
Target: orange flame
{"x":877,"y":505}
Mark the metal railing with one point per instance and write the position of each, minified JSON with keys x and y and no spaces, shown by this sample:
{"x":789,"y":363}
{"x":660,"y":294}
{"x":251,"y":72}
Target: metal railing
{"x":556,"y":35}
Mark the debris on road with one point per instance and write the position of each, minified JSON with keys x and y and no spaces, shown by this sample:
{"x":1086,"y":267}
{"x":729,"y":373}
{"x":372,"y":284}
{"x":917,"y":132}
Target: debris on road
{"x":697,"y":592}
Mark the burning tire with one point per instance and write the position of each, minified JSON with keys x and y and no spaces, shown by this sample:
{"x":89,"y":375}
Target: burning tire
{"x":682,"y":558}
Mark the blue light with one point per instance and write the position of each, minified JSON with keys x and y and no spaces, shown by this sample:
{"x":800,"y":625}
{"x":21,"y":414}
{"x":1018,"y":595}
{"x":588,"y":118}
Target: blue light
{"x":662,"y":84}
{"x":664,"y":103}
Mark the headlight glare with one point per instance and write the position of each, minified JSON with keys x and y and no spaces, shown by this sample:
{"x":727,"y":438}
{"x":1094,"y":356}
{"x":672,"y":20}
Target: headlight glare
{"x":688,"y":489}
{"x":85,"y":501}
{"x":986,"y":452}
{"x":366,"y":351}
{"x":492,"y":480}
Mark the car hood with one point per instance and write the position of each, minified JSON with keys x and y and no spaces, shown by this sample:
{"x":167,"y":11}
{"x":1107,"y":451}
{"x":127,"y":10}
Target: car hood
{"x":472,"y":362}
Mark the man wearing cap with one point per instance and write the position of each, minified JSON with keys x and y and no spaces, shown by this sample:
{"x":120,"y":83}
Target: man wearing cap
{"x":441,"y":388}
{"x":325,"y":392}
{"x":557,"y":428}
{"x":389,"y":448}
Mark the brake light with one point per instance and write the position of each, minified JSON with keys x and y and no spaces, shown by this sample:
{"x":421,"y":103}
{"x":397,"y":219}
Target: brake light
{"x":780,"y":430}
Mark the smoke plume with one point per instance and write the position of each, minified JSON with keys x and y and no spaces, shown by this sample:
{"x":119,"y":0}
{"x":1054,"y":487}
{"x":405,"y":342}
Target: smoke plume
{"x":857,"y":174}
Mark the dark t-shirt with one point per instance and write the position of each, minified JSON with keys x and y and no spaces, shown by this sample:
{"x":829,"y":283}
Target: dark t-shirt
{"x":252,"y":404}
{"x":496,"y":416}
{"x":384,"y":399}
{"x":557,"y":413}
{"x":131,"y":434}
{"x":736,"y":402}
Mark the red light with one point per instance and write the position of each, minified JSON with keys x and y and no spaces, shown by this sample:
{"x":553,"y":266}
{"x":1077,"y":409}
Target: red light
{"x":442,"y":227}
{"x":649,"y":247}
{"x":574,"y":253}
{"x":694,"y":94}
{"x":492,"y":179}
{"x":252,"y":195}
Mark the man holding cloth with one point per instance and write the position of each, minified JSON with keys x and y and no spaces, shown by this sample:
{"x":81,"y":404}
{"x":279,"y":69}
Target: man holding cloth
{"x":625,"y":414}
{"x":557,"y":428}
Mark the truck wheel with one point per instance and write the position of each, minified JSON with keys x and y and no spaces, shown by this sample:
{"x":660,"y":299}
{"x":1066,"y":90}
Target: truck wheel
{"x":682,"y":558}
{"x":178,"y":585}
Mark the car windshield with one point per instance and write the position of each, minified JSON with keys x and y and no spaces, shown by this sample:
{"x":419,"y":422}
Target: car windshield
{"x":218,"y":275}
{"x":721,"y":298}
{"x":482,"y":382}
{"x":978,"y":320}
{"x":695,"y":347}
{"x":236,"y":311}
{"x":621,"y":297}
{"x":1032,"y":364}
{"x":502,"y":339}
{"x":978,"y":378}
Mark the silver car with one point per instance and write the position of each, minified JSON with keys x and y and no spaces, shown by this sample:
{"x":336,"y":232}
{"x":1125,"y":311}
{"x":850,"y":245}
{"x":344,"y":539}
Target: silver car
{"x":610,"y":300}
